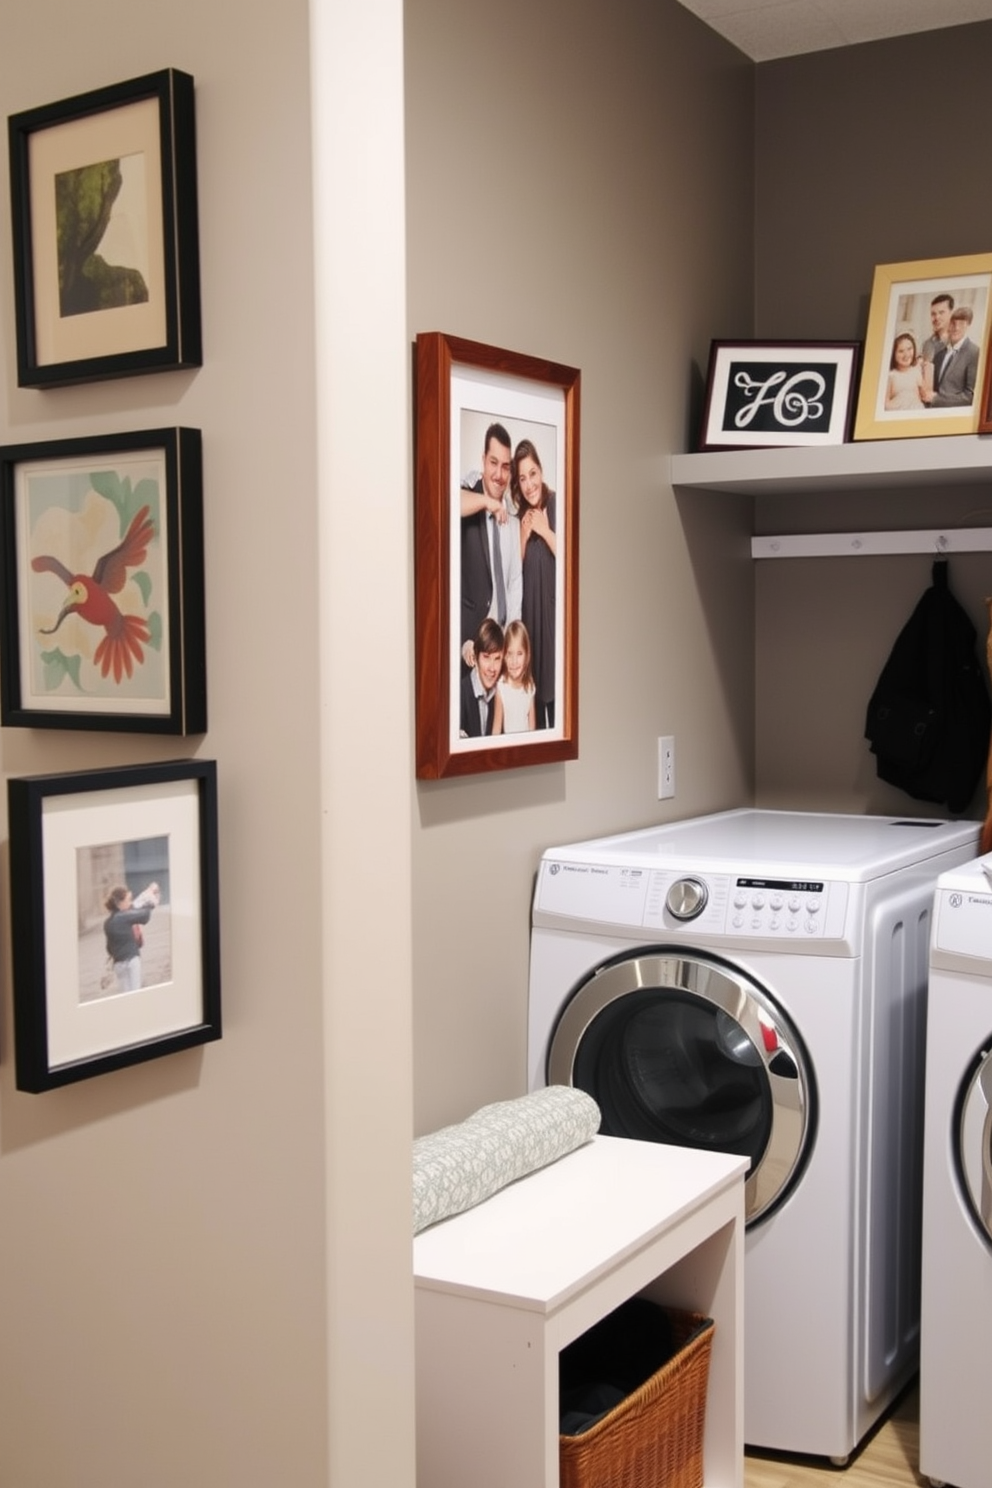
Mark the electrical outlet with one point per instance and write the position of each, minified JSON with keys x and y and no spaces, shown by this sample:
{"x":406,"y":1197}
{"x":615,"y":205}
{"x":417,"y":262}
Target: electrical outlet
{"x":666,"y":768}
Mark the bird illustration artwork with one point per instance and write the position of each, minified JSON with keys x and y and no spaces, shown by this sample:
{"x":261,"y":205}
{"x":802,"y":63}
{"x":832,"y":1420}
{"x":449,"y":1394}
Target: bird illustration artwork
{"x":89,"y":597}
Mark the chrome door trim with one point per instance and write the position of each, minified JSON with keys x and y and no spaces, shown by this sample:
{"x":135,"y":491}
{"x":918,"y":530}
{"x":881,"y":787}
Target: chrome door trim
{"x":765,"y":1025}
{"x":975,"y":1142}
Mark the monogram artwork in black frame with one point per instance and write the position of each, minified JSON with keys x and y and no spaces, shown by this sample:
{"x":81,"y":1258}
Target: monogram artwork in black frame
{"x":767,"y":394}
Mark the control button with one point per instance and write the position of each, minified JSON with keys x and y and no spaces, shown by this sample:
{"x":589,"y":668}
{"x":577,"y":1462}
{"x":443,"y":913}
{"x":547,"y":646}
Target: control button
{"x":740,"y":899}
{"x":758,"y":902}
{"x":687,"y":898}
{"x":755,"y":922}
{"x":774,"y":923}
{"x":738,"y":921}
{"x":776,"y":902}
{"x":813,"y":905}
{"x":795,"y":905}
{"x":811,"y":927}
{"x":792,"y":926}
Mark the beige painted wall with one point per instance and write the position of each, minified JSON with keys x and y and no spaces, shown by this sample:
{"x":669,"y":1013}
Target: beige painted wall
{"x":580,"y":188}
{"x":204,"y":1261}
{"x":362,"y":405}
{"x":836,"y":195}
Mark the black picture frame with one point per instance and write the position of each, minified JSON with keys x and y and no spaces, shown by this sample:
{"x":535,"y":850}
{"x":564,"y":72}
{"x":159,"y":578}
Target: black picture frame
{"x":775,"y":394}
{"x":67,"y":509}
{"x":80,"y":317}
{"x":72,"y":838}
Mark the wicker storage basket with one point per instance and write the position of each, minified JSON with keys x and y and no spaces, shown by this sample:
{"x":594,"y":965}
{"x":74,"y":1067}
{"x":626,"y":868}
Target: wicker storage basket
{"x":654,"y":1437}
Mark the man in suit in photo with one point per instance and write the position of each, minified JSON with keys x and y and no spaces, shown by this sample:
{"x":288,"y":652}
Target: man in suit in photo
{"x":940,"y":319}
{"x":955,"y":367}
{"x":490,"y":529}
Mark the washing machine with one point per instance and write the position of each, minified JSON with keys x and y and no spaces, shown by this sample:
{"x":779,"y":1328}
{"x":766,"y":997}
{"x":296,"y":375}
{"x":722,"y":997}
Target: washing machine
{"x":955,"y":1414}
{"x":754,"y":982}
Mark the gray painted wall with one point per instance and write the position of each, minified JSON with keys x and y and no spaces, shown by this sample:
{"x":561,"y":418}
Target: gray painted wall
{"x":204,"y":1265}
{"x":580,"y":188}
{"x":856,"y":165}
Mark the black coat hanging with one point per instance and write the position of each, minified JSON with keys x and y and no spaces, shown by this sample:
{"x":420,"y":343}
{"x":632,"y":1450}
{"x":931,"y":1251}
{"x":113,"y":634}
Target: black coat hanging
{"x":929,"y":717}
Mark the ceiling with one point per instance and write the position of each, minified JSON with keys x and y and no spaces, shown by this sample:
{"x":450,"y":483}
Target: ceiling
{"x":765,"y":29}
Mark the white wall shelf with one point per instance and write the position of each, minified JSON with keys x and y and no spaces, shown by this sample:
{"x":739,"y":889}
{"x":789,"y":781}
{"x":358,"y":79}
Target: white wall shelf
{"x":873,"y":465}
{"x":881,"y":464}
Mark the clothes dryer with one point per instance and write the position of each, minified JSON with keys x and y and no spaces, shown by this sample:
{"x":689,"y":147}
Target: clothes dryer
{"x":955,"y":1418}
{"x":754,"y":982}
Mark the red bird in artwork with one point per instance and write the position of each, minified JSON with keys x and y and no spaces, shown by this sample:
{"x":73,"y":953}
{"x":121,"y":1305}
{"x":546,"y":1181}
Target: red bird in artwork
{"x":90,"y":598}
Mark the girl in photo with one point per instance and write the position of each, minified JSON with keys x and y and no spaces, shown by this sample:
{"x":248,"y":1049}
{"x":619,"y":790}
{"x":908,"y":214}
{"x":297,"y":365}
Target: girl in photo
{"x":908,"y":376}
{"x":515,"y":709}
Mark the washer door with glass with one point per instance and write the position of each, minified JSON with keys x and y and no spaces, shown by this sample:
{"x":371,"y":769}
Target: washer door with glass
{"x":974,"y":1134}
{"x":692,"y":1051}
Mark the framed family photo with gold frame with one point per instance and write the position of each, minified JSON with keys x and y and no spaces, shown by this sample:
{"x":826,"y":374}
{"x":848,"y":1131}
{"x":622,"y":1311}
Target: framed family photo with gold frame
{"x":496,"y":558}
{"x":926,"y":348}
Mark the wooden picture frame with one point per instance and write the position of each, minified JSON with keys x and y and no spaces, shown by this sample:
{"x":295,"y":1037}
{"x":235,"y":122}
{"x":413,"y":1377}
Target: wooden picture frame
{"x":104,"y":209}
{"x":768,"y":394}
{"x":478,"y":405}
{"x":912,"y":306}
{"x":985,"y":406}
{"x":101,"y":557}
{"x":94,"y":857}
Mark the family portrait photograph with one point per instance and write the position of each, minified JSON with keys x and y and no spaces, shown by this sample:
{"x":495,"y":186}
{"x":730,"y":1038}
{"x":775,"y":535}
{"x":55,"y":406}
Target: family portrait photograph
{"x":496,"y":534}
{"x":508,"y":661}
{"x":925,"y":354}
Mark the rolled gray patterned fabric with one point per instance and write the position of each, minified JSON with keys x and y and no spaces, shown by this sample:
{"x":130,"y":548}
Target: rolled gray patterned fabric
{"x":459,"y":1166}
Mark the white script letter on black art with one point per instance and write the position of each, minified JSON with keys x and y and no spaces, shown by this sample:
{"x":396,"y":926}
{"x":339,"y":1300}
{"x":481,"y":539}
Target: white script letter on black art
{"x":793,"y":401}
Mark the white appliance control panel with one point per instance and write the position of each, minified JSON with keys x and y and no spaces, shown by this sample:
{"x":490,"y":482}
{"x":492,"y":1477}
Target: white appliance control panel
{"x":962,"y":927}
{"x":670,"y":900}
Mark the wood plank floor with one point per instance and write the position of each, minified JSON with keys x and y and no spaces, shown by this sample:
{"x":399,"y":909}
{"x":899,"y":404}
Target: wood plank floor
{"x":888,"y":1458}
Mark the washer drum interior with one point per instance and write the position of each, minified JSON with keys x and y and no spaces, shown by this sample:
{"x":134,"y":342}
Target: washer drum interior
{"x":693,"y":1052}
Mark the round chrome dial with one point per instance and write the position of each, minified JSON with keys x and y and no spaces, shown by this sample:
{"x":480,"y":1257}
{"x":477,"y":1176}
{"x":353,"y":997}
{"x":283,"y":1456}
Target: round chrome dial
{"x":686,"y":898}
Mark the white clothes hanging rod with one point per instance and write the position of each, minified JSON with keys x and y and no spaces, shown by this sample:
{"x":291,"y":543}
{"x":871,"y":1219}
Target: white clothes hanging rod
{"x":939,"y":542}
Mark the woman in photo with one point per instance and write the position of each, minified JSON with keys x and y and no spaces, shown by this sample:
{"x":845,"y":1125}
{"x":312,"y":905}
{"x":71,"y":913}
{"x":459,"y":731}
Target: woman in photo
{"x":535,"y":506}
{"x":909,"y":376}
{"x":515,"y":688}
{"x":123,"y":932}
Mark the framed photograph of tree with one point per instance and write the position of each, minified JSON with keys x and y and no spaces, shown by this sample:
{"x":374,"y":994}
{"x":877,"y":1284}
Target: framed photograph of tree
{"x":106,"y":259}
